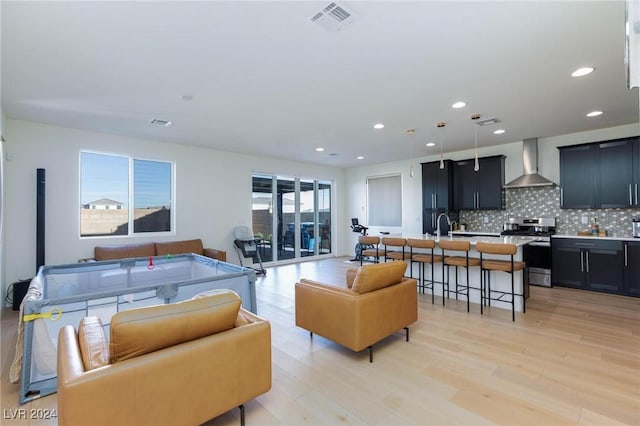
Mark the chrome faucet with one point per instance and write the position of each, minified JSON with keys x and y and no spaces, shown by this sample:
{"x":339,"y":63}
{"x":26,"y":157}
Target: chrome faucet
{"x":438,"y":223}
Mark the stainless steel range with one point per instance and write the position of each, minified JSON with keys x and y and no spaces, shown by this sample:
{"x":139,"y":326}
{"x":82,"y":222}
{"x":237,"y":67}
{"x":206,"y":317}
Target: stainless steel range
{"x":536,"y":254}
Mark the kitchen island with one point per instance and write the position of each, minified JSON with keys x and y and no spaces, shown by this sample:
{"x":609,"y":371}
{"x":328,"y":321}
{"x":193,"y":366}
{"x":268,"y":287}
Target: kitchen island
{"x":499,"y":281}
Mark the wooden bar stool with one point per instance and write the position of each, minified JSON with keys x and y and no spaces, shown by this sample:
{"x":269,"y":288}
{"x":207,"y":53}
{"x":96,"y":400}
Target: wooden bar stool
{"x":456,"y":261}
{"x":508,"y":266}
{"x":422,"y":258}
{"x":394,"y":248}
{"x":366,"y":242}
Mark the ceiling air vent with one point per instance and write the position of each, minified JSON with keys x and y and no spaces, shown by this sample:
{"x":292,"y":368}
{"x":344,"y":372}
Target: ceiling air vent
{"x":333,"y":17}
{"x":159,"y":122}
{"x":487,"y":122}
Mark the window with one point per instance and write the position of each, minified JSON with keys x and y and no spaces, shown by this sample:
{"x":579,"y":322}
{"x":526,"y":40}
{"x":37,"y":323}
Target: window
{"x":109,"y":184}
{"x":384,"y":201}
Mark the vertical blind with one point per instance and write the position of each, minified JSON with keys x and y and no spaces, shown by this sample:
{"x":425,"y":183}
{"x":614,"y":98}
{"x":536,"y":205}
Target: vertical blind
{"x":384,"y":201}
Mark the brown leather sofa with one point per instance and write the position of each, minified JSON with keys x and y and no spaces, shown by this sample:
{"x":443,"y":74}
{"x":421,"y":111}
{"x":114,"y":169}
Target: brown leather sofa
{"x":123,"y":251}
{"x":175,"y":364}
{"x":377,"y":302}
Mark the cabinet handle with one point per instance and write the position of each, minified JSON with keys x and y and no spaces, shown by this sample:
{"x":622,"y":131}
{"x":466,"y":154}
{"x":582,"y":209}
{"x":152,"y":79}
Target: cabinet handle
{"x":561,"y":197}
{"x":586,"y":254}
{"x":630,"y":196}
{"x":433,"y":201}
{"x":478,"y":200}
{"x":636,"y":193}
{"x":626,"y":259}
{"x":435,"y":197}
{"x":585,"y":244}
{"x":581,"y":261}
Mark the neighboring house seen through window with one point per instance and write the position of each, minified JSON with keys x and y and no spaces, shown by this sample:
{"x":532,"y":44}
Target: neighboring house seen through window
{"x":110,"y":184}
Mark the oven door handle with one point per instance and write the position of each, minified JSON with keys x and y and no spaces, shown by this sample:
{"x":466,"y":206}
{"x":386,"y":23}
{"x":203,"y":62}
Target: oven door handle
{"x":539,"y":244}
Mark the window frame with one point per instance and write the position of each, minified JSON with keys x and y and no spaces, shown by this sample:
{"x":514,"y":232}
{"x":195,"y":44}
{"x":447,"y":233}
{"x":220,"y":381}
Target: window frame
{"x":130,"y":197}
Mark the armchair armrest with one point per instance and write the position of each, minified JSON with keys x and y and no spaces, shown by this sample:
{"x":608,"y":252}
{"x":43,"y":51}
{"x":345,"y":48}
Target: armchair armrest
{"x":327,"y":310}
{"x":220,"y":255}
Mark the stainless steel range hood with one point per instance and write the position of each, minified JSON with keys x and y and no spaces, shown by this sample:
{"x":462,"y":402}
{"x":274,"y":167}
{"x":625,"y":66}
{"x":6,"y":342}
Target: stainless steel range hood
{"x":530,"y":167}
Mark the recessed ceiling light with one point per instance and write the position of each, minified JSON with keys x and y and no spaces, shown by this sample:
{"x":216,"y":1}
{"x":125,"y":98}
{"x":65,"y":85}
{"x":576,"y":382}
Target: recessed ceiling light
{"x":378,"y":126}
{"x":430,"y":144}
{"x":459,"y":104}
{"x":320,"y":149}
{"x":159,"y":122}
{"x":185,"y":98}
{"x":594,"y":113}
{"x":360,"y":157}
{"x":498,"y":132}
{"x":582,"y":71}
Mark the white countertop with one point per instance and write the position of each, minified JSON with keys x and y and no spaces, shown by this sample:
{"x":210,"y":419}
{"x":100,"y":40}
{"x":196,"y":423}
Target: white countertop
{"x":512,"y":239}
{"x":481,"y":234}
{"x":613,"y":237}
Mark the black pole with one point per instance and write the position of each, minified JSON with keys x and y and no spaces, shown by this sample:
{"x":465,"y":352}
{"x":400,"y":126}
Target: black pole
{"x":40,"y":214}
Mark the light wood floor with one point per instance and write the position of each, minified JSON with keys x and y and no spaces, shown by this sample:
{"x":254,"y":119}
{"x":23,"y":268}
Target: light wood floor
{"x":573,"y":358}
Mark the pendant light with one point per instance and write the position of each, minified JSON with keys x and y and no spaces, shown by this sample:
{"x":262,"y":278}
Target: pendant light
{"x":411,"y":132}
{"x":441,"y":126}
{"x":476,"y":164}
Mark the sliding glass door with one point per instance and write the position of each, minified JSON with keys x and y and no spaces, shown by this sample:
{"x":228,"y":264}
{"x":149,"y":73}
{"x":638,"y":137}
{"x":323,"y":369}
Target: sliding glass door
{"x":291,"y":217}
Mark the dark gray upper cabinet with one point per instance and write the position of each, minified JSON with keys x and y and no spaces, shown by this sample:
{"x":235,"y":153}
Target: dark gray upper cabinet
{"x":437,"y":192}
{"x":482,"y":189}
{"x":577,"y":181}
{"x":615,"y":186}
{"x":600,"y":175}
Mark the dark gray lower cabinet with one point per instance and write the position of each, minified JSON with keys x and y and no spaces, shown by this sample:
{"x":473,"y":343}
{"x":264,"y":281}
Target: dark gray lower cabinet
{"x":632,"y":268}
{"x":588,"y":264}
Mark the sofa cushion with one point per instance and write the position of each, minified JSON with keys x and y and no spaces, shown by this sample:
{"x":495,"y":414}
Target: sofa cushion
{"x":93,"y":343}
{"x":179,"y":247}
{"x":379,"y":275}
{"x":124,"y":251}
{"x":240,"y":320}
{"x":144,"y":330}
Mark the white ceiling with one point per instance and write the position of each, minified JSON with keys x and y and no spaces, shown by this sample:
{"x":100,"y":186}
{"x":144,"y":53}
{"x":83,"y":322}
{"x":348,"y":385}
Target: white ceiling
{"x":266,"y":80}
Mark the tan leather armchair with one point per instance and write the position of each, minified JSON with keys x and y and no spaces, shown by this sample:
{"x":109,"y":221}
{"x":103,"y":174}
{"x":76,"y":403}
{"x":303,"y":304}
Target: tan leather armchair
{"x":175,"y":364}
{"x":377,"y":302}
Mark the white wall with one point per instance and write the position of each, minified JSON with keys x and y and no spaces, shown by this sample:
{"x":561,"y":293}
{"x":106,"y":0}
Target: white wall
{"x":548,"y":160}
{"x":213,"y":192}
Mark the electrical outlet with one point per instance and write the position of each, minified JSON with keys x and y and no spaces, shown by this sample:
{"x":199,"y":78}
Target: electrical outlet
{"x":584,"y":219}
{"x":486,"y":219}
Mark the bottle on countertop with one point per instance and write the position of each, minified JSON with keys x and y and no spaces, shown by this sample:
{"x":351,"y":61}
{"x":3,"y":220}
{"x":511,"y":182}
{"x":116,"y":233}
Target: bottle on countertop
{"x":595,"y":228}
